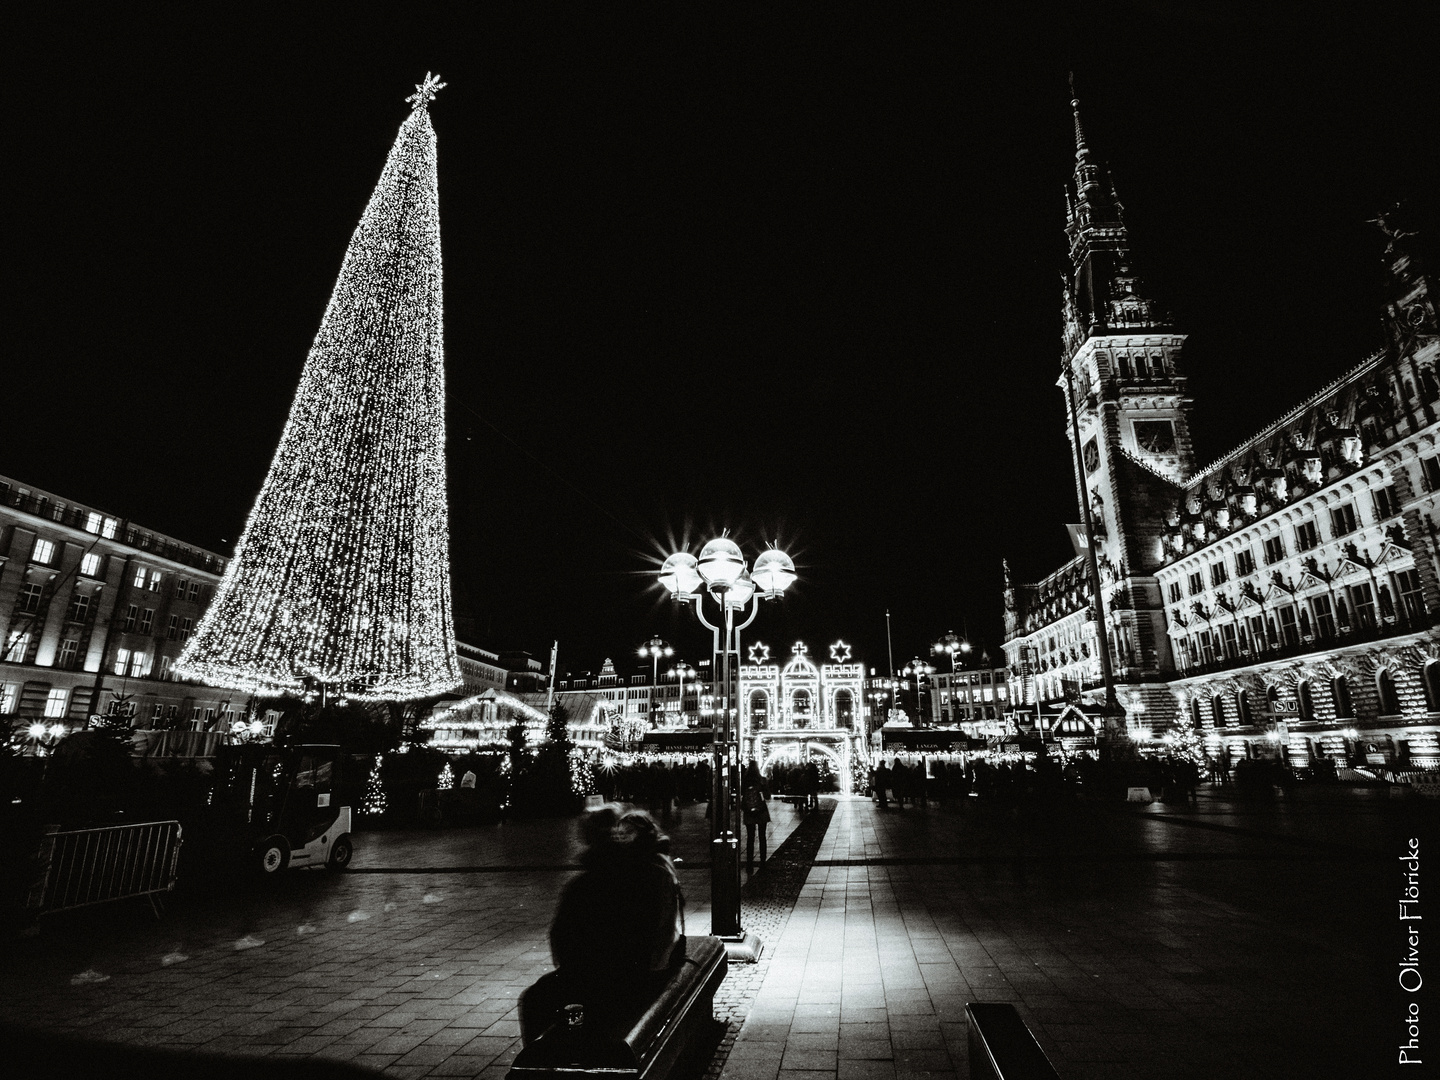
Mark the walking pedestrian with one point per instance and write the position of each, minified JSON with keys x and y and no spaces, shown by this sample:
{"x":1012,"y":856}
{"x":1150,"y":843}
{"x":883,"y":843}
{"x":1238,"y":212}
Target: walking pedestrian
{"x":757,"y":815}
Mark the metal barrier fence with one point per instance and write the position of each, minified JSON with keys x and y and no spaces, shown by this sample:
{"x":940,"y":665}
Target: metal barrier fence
{"x":80,"y":867}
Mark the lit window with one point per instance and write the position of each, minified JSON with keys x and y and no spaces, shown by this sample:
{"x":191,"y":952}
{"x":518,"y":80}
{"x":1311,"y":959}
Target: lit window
{"x":139,"y":581}
{"x":66,"y":657}
{"x":122,"y":661}
{"x":90,"y":565}
{"x":139,"y":665}
{"x":107,"y":530}
{"x":9,"y":697}
{"x":44,"y":551}
{"x":165,"y":662}
{"x":56,"y":701}
{"x":19,"y":646}
{"x":154,"y":580}
{"x":92,"y":522}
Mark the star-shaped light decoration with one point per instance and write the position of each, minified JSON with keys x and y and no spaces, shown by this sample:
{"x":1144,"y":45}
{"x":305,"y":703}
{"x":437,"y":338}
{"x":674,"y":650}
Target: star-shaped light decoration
{"x":759,"y":652}
{"x":425,"y":92}
{"x":840,"y":652}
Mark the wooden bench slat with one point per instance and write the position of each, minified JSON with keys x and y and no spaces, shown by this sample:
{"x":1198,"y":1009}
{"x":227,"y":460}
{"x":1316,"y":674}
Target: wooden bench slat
{"x":1002,"y":1047}
{"x":644,"y":1046}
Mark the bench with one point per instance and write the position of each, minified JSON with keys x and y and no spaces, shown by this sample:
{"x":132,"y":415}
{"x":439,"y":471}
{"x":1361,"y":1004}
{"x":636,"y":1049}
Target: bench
{"x":1002,"y":1047}
{"x":646,"y":1045}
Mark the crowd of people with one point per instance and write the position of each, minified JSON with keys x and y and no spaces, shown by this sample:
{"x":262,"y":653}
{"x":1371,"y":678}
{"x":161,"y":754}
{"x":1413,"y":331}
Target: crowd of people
{"x":922,"y":781}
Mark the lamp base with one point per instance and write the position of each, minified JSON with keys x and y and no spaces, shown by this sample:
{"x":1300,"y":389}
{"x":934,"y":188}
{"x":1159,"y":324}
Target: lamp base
{"x":743,"y":948}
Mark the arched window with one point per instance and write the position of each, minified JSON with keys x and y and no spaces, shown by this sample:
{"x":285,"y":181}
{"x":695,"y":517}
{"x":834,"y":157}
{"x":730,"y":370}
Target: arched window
{"x":1304,"y":700}
{"x":1340,"y":691}
{"x":1430,"y":677}
{"x":1195,"y":718}
{"x":1242,"y":707}
{"x":759,"y":710}
{"x":800,"y":707}
{"x":1217,"y":710}
{"x":1272,"y":699}
{"x":1385,"y":690}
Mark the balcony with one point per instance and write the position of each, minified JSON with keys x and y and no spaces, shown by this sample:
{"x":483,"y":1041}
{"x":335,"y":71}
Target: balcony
{"x":1318,"y":643}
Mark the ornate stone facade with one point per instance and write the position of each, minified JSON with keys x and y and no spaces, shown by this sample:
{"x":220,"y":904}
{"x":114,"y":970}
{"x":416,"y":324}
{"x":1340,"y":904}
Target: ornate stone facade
{"x":1280,"y":599}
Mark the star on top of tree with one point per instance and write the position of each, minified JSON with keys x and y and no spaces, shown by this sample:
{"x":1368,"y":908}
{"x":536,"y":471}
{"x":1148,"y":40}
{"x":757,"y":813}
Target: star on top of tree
{"x":840,"y":652}
{"x":425,"y":92}
{"x":759,"y":652}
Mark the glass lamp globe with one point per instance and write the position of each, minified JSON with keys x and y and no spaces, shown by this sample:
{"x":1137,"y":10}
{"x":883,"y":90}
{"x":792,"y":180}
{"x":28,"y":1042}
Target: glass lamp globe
{"x":721,"y":562}
{"x":739,"y":594}
{"x":679,"y":575}
{"x":774,"y":572}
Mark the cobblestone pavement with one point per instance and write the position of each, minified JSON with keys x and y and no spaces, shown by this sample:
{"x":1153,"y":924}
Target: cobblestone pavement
{"x":1225,"y":939}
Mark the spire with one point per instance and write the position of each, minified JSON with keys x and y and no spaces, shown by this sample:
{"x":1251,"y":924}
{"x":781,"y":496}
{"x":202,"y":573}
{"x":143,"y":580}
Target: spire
{"x":1081,"y":150}
{"x":1104,"y":292}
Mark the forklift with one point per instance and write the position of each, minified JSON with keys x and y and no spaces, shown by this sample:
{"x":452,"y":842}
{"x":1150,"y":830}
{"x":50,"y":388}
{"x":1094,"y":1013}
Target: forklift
{"x":293,"y":804}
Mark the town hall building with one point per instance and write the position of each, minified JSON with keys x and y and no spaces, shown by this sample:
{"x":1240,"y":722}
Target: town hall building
{"x":1279,"y":600}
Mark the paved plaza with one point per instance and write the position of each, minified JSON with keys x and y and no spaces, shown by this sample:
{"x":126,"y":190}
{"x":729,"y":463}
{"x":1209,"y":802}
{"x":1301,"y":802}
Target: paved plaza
{"x":1222,"y":938}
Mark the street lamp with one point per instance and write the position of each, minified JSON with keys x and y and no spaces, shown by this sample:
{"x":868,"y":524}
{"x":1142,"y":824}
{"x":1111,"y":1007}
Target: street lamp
{"x":683,"y":671}
{"x":953,"y":646}
{"x":655,"y":648}
{"x":919,"y":668}
{"x":720,"y":573}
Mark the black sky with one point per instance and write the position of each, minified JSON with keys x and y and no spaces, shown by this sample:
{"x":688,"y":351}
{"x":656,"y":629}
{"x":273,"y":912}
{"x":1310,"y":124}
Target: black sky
{"x":791,"y":274}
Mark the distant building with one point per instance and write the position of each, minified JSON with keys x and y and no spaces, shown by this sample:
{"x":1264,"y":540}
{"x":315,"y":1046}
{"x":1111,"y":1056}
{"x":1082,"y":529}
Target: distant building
{"x":969,"y":697}
{"x":96,"y":610}
{"x":480,"y":669}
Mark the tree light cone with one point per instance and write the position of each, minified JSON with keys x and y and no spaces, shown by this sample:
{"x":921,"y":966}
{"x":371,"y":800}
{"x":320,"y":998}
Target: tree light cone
{"x":343,"y":570}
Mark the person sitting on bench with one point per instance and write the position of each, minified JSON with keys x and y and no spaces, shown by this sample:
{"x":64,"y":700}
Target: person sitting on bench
{"x":619,"y":928}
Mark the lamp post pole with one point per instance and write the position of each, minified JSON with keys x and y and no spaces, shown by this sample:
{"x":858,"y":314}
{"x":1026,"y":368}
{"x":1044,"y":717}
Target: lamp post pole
{"x":655,"y":648}
{"x":1112,"y":707}
{"x":919,"y":669}
{"x":720,"y":572}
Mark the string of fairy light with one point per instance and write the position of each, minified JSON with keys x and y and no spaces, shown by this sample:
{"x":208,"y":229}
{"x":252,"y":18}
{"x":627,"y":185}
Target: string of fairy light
{"x":342,"y":573}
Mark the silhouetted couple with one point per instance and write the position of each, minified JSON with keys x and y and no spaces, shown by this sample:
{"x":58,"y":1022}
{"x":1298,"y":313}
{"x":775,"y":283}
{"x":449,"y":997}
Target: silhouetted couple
{"x":619,"y":928}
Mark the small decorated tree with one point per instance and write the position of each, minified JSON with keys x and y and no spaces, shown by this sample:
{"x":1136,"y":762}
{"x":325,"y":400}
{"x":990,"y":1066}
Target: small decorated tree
{"x":447,"y":778}
{"x":374,"y":803}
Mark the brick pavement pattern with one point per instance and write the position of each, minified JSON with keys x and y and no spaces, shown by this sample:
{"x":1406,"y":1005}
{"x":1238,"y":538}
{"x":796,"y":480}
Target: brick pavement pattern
{"x":1229,"y":939}
{"x":1128,"y":972}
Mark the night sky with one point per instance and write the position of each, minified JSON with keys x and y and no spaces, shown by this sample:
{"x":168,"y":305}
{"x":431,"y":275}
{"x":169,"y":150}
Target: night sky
{"x":791,"y":275}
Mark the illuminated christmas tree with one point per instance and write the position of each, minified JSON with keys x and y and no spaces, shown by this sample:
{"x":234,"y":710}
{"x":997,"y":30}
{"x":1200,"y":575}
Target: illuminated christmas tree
{"x":447,"y":778}
{"x":374,"y":802}
{"x":342,"y":574}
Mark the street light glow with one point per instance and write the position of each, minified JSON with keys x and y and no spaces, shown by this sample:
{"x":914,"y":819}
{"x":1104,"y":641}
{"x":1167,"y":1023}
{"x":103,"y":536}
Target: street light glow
{"x":774,"y":572}
{"x":721,"y":563}
{"x":679,"y":574}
